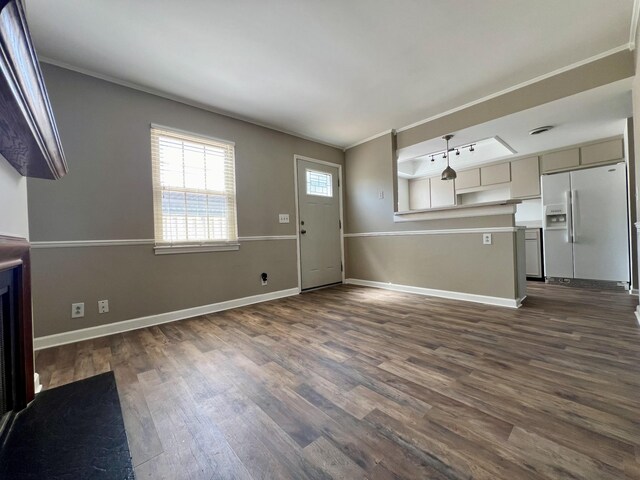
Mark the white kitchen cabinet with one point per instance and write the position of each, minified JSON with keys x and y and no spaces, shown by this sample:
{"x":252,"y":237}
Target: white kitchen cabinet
{"x":525,"y":178}
{"x":562,"y":160}
{"x":442,"y":193}
{"x":494,"y":174}
{"x":419,"y":194}
{"x":602,"y":152}
{"x":467,"y":179}
{"x":533,"y":256}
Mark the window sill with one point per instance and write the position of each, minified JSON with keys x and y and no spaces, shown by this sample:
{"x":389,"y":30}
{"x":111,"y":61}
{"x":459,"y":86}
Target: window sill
{"x":171,"y":249}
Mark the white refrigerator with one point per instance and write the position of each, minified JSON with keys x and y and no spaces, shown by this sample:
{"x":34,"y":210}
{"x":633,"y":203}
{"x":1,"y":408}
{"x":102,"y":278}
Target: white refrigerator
{"x":585,"y":224}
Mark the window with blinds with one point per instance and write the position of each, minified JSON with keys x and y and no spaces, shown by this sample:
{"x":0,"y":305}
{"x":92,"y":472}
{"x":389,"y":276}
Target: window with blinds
{"x":193,"y":190}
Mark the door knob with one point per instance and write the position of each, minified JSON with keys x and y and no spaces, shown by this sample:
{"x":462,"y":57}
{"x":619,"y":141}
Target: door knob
{"x":303,"y":232}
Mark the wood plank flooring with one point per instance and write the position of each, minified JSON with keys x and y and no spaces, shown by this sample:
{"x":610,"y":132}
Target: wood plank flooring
{"x":352,"y":382}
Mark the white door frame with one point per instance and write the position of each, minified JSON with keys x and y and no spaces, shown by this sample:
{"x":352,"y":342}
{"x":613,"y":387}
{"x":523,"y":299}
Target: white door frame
{"x":295,"y":183}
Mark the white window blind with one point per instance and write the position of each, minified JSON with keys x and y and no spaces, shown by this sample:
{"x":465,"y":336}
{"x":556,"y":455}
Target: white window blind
{"x":194,"y":195}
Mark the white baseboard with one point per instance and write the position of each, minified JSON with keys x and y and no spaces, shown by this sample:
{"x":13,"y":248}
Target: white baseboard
{"x":136,"y":323}
{"x":430,"y":292}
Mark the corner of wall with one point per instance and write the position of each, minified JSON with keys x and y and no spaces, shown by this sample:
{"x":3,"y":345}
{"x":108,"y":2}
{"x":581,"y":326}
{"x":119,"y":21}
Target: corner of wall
{"x":14,"y":220}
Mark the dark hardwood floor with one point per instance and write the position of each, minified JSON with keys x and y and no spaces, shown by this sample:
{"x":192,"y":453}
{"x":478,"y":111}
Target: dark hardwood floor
{"x":353,"y":382}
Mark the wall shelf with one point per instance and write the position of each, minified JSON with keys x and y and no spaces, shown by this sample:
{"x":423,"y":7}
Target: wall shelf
{"x":29,"y":139}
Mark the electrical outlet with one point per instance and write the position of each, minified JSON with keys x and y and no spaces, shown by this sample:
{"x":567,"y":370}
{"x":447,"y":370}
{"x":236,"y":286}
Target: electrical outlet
{"x":263,"y":279}
{"x":103,"y":306}
{"x":381,"y":194}
{"x":486,"y":239}
{"x":283,"y":218}
{"x":77,"y":310}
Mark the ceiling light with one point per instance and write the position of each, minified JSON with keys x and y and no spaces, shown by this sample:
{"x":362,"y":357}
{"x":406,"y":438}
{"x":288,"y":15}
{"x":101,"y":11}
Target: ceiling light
{"x":539,"y":130}
{"x":448,"y":173}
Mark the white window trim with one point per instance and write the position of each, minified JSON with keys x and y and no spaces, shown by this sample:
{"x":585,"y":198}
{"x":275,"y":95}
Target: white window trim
{"x":202,"y":248}
{"x":166,"y":248}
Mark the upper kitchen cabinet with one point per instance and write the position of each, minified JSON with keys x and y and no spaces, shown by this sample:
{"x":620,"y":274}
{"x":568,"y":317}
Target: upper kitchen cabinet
{"x":467,"y":179}
{"x":442,"y":193}
{"x":495,"y":174}
{"x":419,"y":194}
{"x":525,"y":178}
{"x":562,"y":160}
{"x":29,"y":137}
{"x":602,"y":152}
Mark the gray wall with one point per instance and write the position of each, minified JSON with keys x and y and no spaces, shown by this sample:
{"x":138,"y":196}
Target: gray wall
{"x":108,"y":195}
{"x":455,"y":261}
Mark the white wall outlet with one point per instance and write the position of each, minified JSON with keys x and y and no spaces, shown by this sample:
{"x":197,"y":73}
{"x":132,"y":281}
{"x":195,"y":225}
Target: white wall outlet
{"x":77,"y":310}
{"x":283,"y":218}
{"x":486,"y":239}
{"x":263,"y":279}
{"x":103,"y":306}
{"x":381,"y":194}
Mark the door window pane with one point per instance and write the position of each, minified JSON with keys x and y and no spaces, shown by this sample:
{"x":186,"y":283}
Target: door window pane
{"x":319,"y":183}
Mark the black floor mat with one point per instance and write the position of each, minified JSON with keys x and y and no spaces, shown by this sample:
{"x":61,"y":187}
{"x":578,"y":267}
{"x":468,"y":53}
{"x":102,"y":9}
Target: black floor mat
{"x":74,"y":432}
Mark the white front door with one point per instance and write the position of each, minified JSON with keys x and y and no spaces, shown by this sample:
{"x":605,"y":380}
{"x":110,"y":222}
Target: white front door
{"x":319,"y":218}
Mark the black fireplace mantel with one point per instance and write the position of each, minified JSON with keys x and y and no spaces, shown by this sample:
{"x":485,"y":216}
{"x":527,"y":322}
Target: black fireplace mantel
{"x":29,"y":137}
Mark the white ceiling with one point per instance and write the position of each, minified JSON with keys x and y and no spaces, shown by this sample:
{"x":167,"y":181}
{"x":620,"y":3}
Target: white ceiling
{"x":597,"y":113}
{"x":333,"y":70}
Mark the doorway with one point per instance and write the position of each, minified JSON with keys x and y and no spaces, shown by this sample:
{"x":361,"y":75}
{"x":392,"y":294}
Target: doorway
{"x":319,"y":209}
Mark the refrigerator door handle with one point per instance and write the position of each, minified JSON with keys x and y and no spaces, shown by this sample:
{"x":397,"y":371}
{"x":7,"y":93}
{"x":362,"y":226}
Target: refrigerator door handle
{"x":574,"y":209}
{"x":567,"y":195}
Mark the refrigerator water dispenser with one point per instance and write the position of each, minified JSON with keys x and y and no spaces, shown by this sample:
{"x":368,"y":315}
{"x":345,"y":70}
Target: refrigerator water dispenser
{"x":555,"y":216}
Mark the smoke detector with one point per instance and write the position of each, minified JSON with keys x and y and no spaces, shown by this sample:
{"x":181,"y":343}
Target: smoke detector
{"x":539,"y":130}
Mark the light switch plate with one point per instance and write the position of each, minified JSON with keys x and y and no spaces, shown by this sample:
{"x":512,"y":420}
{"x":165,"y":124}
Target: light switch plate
{"x":486,"y":239}
{"x":380,"y":194}
{"x":283,"y":218}
{"x":103,"y":306}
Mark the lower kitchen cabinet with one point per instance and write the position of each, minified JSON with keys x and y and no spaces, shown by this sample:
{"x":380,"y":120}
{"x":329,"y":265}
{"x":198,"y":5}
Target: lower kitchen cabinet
{"x":533,"y":252}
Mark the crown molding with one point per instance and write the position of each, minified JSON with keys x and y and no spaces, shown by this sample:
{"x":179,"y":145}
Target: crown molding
{"x":540,"y":78}
{"x":135,"y":86}
{"x":179,"y":99}
{"x":627,"y":46}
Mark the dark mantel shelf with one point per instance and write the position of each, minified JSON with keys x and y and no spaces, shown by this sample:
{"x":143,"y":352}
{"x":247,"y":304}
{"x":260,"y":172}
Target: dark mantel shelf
{"x":29,"y":137}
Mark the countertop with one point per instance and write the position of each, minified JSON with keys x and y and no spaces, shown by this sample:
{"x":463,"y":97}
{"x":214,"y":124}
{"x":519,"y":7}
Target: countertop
{"x":461,"y":207}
